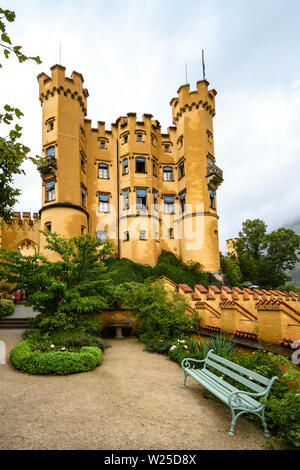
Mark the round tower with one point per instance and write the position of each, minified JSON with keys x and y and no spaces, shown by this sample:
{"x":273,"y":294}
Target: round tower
{"x":64,"y":186}
{"x":193,"y":114}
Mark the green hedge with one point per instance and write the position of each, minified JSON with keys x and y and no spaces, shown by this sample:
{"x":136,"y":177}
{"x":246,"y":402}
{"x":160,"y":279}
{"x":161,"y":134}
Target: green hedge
{"x":7,"y":307}
{"x":23,"y":358}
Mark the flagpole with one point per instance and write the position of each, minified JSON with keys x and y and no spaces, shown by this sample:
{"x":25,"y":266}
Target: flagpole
{"x":203,"y":65}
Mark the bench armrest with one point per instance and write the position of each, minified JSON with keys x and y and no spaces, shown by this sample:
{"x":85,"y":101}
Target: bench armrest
{"x":185,"y":364}
{"x":234,"y":399}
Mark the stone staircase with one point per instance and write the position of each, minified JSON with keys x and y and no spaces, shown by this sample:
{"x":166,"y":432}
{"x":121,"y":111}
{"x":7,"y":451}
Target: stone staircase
{"x":14,"y":323}
{"x":19,"y":319}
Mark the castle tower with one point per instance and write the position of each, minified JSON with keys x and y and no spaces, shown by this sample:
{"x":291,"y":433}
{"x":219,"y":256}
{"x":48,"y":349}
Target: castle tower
{"x":193,"y":114}
{"x":64,"y":186}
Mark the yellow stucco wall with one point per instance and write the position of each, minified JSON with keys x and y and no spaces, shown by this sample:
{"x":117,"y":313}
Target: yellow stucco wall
{"x":190,"y":141}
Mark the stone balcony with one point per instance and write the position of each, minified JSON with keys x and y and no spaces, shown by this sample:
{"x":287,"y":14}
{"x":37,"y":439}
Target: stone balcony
{"x":48,"y":167}
{"x":214,"y":175}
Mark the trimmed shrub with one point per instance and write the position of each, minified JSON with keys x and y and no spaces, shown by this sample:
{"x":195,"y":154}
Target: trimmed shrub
{"x":7,"y":307}
{"x":160,"y":346}
{"x":23,"y":358}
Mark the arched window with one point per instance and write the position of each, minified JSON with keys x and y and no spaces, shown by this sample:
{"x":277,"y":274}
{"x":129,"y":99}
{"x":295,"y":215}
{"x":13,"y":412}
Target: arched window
{"x":50,"y":191}
{"x":103,"y":202}
{"x":50,"y":151}
{"x":141,"y":198}
{"x":125,"y":166}
{"x":181,"y":170}
{"x":169,"y":204}
{"x":140,"y":165}
{"x":168,"y":173}
{"x":103,"y":171}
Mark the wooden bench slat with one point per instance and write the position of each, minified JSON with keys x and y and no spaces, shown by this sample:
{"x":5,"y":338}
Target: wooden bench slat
{"x":233,"y":375}
{"x":243,"y":370}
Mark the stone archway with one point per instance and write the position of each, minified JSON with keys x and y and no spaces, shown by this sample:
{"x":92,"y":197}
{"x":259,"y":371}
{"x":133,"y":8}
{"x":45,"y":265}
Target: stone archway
{"x":28,"y":247}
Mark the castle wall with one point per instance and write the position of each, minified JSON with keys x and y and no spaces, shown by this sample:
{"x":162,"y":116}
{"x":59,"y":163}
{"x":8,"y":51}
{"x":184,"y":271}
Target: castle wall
{"x":22,"y":234}
{"x":184,"y":149}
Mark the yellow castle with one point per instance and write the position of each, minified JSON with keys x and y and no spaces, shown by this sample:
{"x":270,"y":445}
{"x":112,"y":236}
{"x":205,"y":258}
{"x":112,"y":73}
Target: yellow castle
{"x":145,"y":190}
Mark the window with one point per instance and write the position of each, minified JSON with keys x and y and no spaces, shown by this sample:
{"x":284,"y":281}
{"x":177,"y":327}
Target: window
{"x":210,"y":161}
{"x":47,"y":227}
{"x":50,"y":152}
{"x":212,"y":198}
{"x":103,"y":203}
{"x":141,"y":198}
{"x":155,"y":199}
{"x":50,"y":191}
{"x":182,"y":201}
{"x":101,"y":235}
{"x":169,"y":204}
{"x":140,"y":165}
{"x":209,"y":136}
{"x":170,"y":233}
{"x":82,"y":160}
{"x":50,"y":124}
{"x":125,"y":166}
{"x":103,"y":171}
{"x":166,"y":148}
{"x":154,"y":167}
{"x":181,"y":170}
{"x":82,"y":230}
{"x":180,"y":142}
{"x":139,"y":138}
{"x":126,"y":199}
{"x":83,"y":196}
{"x":102,"y":144}
{"x":125,"y":139}
{"x":126,"y":236}
{"x":168,"y":173}
{"x":143,"y":235}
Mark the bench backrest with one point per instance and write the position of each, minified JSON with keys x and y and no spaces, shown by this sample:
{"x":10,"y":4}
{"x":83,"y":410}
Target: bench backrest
{"x":233,"y":370}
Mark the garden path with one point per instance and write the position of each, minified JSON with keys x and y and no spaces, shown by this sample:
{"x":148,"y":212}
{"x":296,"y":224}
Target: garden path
{"x":134,"y":400}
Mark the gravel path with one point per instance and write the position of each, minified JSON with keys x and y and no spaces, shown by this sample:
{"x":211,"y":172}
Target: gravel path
{"x":134,"y":400}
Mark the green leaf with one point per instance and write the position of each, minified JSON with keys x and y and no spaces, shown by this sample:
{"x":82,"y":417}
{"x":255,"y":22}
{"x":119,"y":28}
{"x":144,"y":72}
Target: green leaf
{"x":5,"y":38}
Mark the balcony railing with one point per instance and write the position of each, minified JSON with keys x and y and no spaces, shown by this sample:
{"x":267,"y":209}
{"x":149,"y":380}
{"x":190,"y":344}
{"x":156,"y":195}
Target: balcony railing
{"x":214,"y":175}
{"x":48,"y":167}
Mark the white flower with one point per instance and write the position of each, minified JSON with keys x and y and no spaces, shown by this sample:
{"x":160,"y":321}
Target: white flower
{"x":63,"y":349}
{"x":186,"y":346}
{"x":172,"y":347}
{"x":52,"y":346}
{"x":250,"y":378}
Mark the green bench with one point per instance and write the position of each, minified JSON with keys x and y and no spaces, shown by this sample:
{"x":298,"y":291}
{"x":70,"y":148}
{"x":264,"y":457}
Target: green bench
{"x":239,"y":401}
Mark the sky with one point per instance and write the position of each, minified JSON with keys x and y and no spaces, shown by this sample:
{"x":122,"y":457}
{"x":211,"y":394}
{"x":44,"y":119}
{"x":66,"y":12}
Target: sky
{"x":132,"y":55}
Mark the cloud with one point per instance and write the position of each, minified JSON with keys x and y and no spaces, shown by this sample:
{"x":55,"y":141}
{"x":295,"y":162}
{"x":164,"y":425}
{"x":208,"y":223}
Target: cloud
{"x":258,"y":143}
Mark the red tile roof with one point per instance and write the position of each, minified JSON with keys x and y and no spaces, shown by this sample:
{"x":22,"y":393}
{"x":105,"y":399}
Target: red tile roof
{"x":201,"y":289}
{"x":215,"y":289}
{"x":186,"y":289}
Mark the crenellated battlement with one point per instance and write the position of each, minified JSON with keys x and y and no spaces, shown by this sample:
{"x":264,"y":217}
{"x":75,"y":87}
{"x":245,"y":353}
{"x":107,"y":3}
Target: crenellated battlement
{"x":58,"y":83}
{"x":188,"y":100}
{"x":23,"y":219}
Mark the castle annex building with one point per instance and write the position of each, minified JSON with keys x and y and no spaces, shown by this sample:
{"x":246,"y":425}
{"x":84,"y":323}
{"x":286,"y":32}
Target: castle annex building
{"x":145,"y":190}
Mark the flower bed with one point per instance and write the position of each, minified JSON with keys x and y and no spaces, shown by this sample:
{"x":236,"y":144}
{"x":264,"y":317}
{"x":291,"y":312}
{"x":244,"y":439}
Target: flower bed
{"x":62,"y":362}
{"x":212,"y":328}
{"x":288,"y":343}
{"x":245,"y":335}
